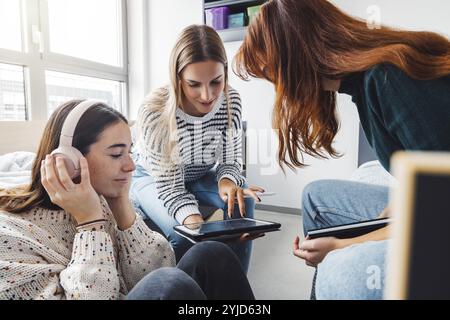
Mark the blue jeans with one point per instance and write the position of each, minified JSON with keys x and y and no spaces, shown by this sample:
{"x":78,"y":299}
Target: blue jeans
{"x":209,"y":270}
{"x":143,"y":192}
{"x":358,"y":271}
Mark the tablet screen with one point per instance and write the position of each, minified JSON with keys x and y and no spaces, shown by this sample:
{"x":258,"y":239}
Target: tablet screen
{"x":232,"y":226}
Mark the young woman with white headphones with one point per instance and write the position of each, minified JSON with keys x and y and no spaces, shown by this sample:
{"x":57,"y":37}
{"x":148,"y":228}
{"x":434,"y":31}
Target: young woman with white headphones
{"x":72,"y":233}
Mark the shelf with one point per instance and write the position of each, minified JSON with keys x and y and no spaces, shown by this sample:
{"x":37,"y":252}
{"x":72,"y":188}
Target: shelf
{"x":209,"y":5}
{"x":234,"y":34}
{"x":236,"y":6}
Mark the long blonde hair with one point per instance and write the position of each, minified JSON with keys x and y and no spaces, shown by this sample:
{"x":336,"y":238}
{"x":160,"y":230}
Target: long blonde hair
{"x":196,"y":43}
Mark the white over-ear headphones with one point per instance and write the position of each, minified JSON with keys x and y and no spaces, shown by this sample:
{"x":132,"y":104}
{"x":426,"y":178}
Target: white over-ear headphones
{"x":65,"y":149}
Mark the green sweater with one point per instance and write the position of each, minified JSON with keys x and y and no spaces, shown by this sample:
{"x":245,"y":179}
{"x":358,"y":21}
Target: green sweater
{"x":400,"y":113}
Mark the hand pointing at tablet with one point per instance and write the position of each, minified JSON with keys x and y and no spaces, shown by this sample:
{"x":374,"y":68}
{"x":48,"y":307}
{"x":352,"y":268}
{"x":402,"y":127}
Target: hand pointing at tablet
{"x":229,"y":192}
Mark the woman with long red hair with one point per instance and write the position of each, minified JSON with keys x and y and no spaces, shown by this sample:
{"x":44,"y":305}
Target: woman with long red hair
{"x":400,"y":82}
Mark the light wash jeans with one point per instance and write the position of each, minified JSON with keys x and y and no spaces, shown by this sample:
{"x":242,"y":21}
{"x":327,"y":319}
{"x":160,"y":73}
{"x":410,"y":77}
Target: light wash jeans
{"x":144,"y":194}
{"x":209,"y":270}
{"x":356,"y":272}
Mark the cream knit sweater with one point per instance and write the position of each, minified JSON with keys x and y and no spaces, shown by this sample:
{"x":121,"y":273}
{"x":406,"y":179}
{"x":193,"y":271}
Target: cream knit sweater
{"x":42,"y":256}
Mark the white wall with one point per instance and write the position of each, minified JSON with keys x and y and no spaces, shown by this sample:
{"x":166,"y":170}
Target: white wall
{"x":154,"y":26}
{"x":417,"y":15}
{"x":166,"y":18}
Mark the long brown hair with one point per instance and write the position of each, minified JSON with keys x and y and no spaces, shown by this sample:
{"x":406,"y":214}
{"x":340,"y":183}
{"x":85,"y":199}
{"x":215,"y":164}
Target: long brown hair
{"x":89,"y":127}
{"x":295,"y":44}
{"x":196,"y":43}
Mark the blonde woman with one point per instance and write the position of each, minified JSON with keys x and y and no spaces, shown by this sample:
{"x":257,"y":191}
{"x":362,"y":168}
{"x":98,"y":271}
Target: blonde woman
{"x":189,"y":143}
{"x":77,"y":239}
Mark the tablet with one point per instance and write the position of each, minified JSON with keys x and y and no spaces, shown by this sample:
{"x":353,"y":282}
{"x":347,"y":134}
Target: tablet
{"x":263,"y":194}
{"x":350,"y":230}
{"x":260,"y":194}
{"x":225,"y":229}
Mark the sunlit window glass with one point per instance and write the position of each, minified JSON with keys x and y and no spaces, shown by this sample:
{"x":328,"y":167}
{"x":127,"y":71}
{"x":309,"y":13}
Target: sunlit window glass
{"x":62,"y":87}
{"x":10,"y":25}
{"x":86,"y":29}
{"x":12,"y":93}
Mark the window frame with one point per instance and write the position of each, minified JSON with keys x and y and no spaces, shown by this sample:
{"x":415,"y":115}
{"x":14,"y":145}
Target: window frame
{"x":36,"y":58}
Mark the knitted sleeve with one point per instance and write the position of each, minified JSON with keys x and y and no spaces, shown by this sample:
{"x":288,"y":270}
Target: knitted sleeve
{"x":33,"y":266}
{"x":25,"y":272}
{"x":141,"y":251}
{"x":230,"y":163}
{"x":91,"y":274}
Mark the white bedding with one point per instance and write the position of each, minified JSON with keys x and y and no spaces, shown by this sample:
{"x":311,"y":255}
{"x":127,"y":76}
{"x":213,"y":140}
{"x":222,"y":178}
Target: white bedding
{"x":374,"y":173}
{"x":15,"y":168}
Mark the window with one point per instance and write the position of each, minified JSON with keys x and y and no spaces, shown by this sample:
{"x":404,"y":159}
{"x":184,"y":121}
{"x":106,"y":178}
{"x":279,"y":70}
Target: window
{"x":86,"y":29}
{"x":63,"y":86}
{"x":10,"y":25}
{"x":12,"y":93}
{"x":75,"y":50}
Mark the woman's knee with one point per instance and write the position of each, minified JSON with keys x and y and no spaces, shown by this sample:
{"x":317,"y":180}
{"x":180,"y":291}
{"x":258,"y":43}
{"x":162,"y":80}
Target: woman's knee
{"x":206,"y":248}
{"x":315,"y":191}
{"x":212,"y":253}
{"x":166,"y":284}
{"x":355,"y":273}
{"x":311,"y":199}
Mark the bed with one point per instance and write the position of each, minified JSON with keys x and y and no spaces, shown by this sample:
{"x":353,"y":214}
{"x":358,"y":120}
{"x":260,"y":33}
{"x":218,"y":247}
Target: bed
{"x":18,"y":144}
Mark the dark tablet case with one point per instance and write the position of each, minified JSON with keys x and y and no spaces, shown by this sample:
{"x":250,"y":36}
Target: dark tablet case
{"x":351,"y":230}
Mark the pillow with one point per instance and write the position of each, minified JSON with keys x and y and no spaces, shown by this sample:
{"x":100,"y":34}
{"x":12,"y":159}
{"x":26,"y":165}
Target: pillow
{"x":15,"y":168}
{"x":374,"y":173}
{"x":17,"y":161}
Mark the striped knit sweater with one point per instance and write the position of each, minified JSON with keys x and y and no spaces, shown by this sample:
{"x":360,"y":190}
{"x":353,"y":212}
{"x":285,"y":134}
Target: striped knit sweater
{"x":43,"y":256}
{"x":203,"y":143}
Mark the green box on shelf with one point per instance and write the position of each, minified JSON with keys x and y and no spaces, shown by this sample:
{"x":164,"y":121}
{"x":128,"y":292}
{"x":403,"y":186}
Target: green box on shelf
{"x":252,"y":12}
{"x":236,"y":20}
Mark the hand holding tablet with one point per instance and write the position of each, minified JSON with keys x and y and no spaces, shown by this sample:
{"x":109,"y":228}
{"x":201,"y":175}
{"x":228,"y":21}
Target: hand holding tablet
{"x":225,"y":229}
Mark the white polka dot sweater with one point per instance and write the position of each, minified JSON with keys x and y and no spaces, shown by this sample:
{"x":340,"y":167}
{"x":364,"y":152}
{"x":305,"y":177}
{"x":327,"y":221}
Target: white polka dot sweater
{"x":43,"y":256}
